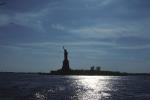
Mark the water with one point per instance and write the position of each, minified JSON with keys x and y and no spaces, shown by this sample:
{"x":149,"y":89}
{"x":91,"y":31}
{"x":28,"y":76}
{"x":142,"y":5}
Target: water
{"x":44,"y":87}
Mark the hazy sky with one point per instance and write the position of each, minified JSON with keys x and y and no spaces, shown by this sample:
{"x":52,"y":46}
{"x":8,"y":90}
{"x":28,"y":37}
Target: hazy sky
{"x":114,"y":34}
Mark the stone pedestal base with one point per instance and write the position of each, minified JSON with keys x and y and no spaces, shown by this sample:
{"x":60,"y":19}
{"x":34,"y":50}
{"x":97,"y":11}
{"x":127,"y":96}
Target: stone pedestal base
{"x":65,"y":67}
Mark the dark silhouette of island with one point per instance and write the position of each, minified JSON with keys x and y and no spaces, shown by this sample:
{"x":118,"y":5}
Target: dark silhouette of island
{"x":66,"y":70}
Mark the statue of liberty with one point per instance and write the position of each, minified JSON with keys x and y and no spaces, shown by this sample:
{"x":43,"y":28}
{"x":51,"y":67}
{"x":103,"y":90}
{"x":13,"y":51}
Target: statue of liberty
{"x":65,"y":67}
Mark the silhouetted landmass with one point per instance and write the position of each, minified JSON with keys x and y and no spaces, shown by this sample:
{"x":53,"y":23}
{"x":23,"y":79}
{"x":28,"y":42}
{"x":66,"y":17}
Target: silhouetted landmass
{"x":66,"y":70}
{"x":87,"y":72}
{"x":81,"y":72}
{"x":101,"y":73}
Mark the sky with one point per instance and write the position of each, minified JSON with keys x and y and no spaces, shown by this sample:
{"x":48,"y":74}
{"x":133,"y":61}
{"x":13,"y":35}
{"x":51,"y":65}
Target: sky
{"x":113,"y":34}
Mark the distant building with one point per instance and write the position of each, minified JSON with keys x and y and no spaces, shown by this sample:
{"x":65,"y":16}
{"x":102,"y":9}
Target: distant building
{"x":98,"y":68}
{"x":92,"y":68}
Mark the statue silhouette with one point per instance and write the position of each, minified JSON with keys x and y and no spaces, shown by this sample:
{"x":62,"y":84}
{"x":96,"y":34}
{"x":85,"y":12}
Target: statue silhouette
{"x":65,"y":67}
{"x":65,"y":53}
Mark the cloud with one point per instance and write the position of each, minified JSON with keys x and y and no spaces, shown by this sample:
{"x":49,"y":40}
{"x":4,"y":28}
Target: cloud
{"x":80,"y":44}
{"x":33,"y":19}
{"x":25,"y":19}
{"x":97,"y":32}
{"x":43,"y":45}
{"x":4,"y":19}
{"x":97,"y":3}
{"x":136,"y":47}
{"x":76,"y":43}
{"x":105,"y":31}
{"x":106,"y":2}
{"x":58,"y":27}
{"x":38,"y":19}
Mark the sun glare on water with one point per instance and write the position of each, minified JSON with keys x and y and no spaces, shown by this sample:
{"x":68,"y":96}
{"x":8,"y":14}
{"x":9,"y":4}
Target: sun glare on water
{"x":77,"y":88}
{"x":93,"y":87}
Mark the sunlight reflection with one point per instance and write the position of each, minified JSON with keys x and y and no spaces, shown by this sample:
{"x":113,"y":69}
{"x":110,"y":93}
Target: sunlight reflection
{"x":78,"y":88}
{"x":93,"y":87}
{"x":40,"y":96}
